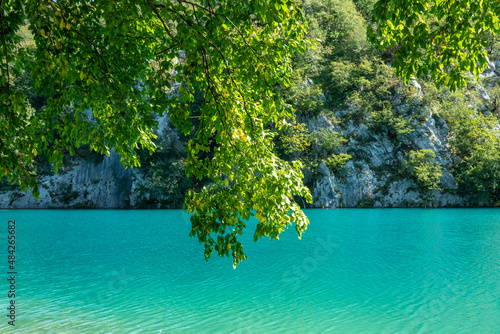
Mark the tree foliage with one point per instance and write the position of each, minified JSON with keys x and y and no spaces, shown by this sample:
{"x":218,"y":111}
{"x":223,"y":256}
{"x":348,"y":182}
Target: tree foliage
{"x":122,"y":68}
{"x":442,"y":39}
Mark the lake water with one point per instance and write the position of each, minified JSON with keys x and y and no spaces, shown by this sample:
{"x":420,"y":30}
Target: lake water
{"x":354,"y":271}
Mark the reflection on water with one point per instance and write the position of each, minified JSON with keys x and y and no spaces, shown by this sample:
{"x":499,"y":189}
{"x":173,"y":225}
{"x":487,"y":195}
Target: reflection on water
{"x":354,"y":271}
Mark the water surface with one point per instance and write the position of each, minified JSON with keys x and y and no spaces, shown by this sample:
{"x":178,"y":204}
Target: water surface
{"x":354,"y":271}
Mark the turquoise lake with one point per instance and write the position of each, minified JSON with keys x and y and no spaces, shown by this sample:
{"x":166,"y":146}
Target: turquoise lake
{"x":354,"y":271}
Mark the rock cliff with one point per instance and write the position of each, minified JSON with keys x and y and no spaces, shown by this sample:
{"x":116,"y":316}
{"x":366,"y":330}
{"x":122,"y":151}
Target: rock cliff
{"x":372,"y":178}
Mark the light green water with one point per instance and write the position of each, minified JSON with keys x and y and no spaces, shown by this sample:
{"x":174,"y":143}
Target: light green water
{"x":354,"y":271}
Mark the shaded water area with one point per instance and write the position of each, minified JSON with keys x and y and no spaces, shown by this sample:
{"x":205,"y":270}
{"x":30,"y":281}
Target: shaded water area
{"x":354,"y":271}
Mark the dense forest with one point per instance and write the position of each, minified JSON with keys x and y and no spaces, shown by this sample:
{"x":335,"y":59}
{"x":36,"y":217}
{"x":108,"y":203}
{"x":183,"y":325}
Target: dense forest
{"x":365,"y":138}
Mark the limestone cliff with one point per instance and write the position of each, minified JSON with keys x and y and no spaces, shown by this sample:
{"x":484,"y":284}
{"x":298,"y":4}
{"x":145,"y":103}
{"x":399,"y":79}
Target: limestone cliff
{"x":371,"y":178}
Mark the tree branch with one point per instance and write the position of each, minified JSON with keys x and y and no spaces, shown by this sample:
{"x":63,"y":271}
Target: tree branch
{"x":5,"y":48}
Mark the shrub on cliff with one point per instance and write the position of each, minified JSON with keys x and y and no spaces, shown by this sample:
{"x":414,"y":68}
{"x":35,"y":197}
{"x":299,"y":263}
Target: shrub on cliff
{"x":422,"y":169}
{"x":476,"y":141}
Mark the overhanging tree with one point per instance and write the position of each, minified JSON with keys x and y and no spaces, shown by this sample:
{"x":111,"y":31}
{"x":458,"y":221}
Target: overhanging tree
{"x":439,"y":38}
{"x":121,"y":60}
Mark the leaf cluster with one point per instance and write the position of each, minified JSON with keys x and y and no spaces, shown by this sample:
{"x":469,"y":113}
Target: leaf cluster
{"x":336,"y":162}
{"x":109,"y":68}
{"x":421,"y":167}
{"x":441,"y":39}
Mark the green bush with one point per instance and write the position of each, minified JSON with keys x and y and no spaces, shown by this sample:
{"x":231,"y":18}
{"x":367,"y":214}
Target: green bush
{"x":295,"y":141}
{"x":336,"y":162}
{"x":304,"y":96}
{"x":365,"y":8}
{"x":475,"y":141}
{"x":425,"y":172}
{"x":328,"y":141}
{"x":341,"y":24}
{"x":368,"y":89}
{"x":368,"y":84}
{"x":481,"y":173}
{"x":468,"y":128}
{"x":387,"y":121}
{"x":339,"y":31}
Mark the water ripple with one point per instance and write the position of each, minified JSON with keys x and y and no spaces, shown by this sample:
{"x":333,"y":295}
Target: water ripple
{"x":355,"y":271}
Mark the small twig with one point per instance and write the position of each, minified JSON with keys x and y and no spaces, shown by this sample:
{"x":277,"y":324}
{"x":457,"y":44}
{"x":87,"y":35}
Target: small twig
{"x":165,"y":27}
{"x":167,"y":49}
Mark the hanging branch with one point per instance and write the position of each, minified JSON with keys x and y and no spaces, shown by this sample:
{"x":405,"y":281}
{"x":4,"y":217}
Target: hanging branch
{"x":5,"y":47}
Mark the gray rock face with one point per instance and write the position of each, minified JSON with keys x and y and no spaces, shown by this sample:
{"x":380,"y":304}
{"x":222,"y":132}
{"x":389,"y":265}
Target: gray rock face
{"x":325,"y":194}
{"x":401,"y":193}
{"x":83,"y":184}
{"x":373,"y":178}
{"x":86,"y":184}
{"x":483,"y":94}
{"x":431,"y":135}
